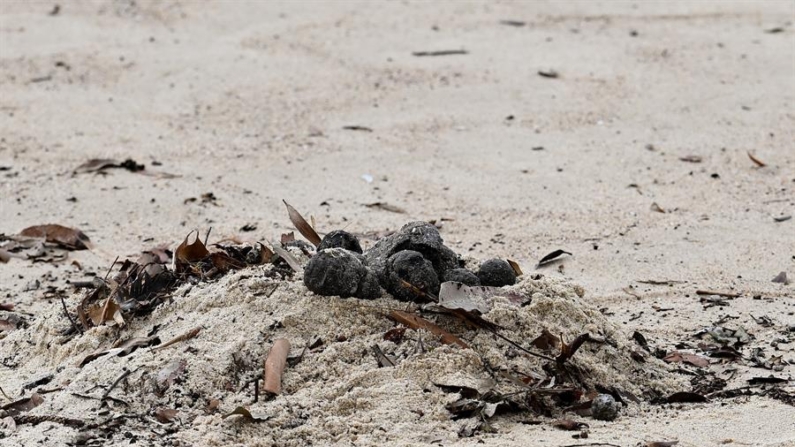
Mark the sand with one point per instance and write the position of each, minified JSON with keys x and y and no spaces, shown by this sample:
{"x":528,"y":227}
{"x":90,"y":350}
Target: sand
{"x":248,"y":101}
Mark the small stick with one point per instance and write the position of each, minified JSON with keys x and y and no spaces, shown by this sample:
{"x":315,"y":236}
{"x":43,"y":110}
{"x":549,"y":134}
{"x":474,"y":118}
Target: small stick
{"x":723,"y":294}
{"x":71,"y":320}
{"x":274,"y":366}
{"x":186,"y":336}
{"x":207,"y":236}
{"x":38,"y":419}
{"x":118,"y":380}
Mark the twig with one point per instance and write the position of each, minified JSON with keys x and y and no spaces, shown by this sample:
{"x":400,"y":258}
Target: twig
{"x":381,"y":358}
{"x":439,"y":53}
{"x":567,"y":351}
{"x":186,"y":336}
{"x":71,"y":320}
{"x":118,"y":380}
{"x":4,"y":393}
{"x":38,"y":419}
{"x":207,"y":236}
{"x":274,"y":366}
{"x":591,"y":444}
{"x":723,"y":294}
{"x":110,"y":269}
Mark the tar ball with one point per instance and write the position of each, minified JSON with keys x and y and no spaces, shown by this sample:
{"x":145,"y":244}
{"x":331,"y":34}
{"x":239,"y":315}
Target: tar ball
{"x":496,"y":273}
{"x":605,"y":408}
{"x":334,"y":272}
{"x":463,"y":276}
{"x":412,"y":267}
{"x":340,"y":239}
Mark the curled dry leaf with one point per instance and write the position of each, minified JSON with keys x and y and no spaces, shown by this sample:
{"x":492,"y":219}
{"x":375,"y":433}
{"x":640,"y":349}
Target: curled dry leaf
{"x":302,"y":225}
{"x":568,"y":424}
{"x":546,"y":341}
{"x":288,"y":257}
{"x":243,"y":411}
{"x":69,"y":238}
{"x":165,"y":415}
{"x":193,"y":252}
{"x":552,"y":257}
{"x":515,"y":266}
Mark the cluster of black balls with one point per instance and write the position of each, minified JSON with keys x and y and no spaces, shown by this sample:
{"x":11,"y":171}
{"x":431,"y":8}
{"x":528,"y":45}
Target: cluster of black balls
{"x":416,"y":254}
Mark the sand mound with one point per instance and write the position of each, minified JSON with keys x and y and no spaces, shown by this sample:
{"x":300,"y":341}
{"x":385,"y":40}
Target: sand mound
{"x":336,"y":392}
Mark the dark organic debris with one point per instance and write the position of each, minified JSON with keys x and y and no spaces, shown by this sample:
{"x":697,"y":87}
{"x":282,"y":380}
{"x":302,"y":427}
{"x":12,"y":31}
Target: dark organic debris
{"x":245,"y":414}
{"x":496,"y":273}
{"x":461,"y":275}
{"x":359,"y":128}
{"x":551,"y":74}
{"x":691,"y":158}
{"x":756,"y":161}
{"x":339,"y":272}
{"x":386,"y":207}
{"x":65,"y":237}
{"x":769,"y":380}
{"x":439,"y":53}
{"x":340,"y":239}
{"x":102,"y":164}
{"x":781,"y":278}
{"x":22,"y":405}
{"x":302,"y":225}
{"x":605,"y":408}
{"x":692,"y":359}
{"x":517,"y":23}
{"x":412,"y":267}
{"x":686,"y":397}
{"x":552,"y":257}
{"x":782,"y":218}
{"x":569,"y":425}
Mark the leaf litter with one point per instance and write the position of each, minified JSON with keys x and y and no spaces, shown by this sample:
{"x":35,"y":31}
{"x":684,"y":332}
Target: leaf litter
{"x":218,"y":288}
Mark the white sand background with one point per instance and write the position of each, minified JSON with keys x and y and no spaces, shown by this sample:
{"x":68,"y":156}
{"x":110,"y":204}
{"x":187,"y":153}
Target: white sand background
{"x":248,"y":100}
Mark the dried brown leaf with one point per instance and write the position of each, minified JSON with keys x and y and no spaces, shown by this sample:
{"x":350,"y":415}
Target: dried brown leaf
{"x":661,"y":443}
{"x":756,"y":161}
{"x":515,"y":266}
{"x":69,"y":238}
{"x":546,"y":341}
{"x":165,"y":415}
{"x":302,"y":225}
{"x":691,"y":158}
{"x":22,"y":405}
{"x":193,"y":252}
{"x":96,"y":165}
{"x":568,"y":424}
{"x":657,"y":208}
{"x":288,"y":257}
{"x":416,"y":322}
{"x":243,"y":411}
{"x":692,"y":359}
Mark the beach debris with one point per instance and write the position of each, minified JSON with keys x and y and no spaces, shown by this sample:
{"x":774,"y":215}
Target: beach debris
{"x":123,"y":349}
{"x":548,"y":73}
{"x":274,"y":366}
{"x":416,"y":322}
{"x":98,"y":165}
{"x":11,"y":322}
{"x":20,"y":406}
{"x":439,"y":53}
{"x":357,"y":128}
{"x":5,"y":256}
{"x":691,"y":159}
{"x":516,"y":23}
{"x":382,"y":359}
{"x":756,"y":161}
{"x":245,"y":414}
{"x":412,"y":267}
{"x":782,"y":218}
{"x":571,"y":425}
{"x":165,"y":415}
{"x":717,"y":293}
{"x":692,"y":359}
{"x":339,"y":272}
{"x":657,"y":208}
{"x":302,"y":225}
{"x":170,"y":373}
{"x":781,"y":278}
{"x":454,"y":295}
{"x":386,"y":207}
{"x":567,"y":351}
{"x":64,"y":237}
{"x":496,"y":273}
{"x":605,"y":408}
{"x":340,"y":239}
{"x":685,"y":397}
{"x":516,"y":268}
{"x":461,"y":275}
{"x":180,"y":338}
{"x":661,"y":443}
{"x":551,"y":257}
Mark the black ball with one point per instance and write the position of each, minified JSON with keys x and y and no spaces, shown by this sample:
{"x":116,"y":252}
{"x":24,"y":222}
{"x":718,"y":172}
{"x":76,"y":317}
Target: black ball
{"x":496,"y":273}
{"x":340,"y":239}
{"x":334,"y":272}
{"x":463,"y":276}
{"x":410,"y":266}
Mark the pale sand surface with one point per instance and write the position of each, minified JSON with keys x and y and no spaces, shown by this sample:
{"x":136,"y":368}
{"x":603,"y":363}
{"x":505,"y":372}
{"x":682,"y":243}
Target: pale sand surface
{"x":248,"y":101}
